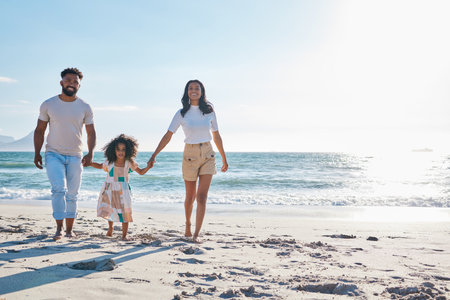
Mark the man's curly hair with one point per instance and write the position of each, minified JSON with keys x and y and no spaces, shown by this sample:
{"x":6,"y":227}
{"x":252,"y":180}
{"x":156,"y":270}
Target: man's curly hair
{"x":131,"y":146}
{"x":72,"y":71}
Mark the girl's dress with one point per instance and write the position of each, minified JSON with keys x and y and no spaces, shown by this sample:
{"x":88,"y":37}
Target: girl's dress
{"x":114,"y":202}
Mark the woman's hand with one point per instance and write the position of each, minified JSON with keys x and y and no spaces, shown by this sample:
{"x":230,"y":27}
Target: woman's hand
{"x":164,"y":141}
{"x":224,"y":166}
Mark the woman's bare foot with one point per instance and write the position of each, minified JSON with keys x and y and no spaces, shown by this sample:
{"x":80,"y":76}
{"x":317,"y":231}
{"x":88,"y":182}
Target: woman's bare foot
{"x":109,"y":232}
{"x":196,"y":239}
{"x":124,"y":238}
{"x":187,"y":232}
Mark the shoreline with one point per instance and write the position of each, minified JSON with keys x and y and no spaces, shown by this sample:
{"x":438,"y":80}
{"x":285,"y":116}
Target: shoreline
{"x":401,"y":214}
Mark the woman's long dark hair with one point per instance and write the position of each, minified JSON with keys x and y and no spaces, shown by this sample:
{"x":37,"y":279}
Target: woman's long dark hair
{"x":131,"y":146}
{"x":203,"y":104}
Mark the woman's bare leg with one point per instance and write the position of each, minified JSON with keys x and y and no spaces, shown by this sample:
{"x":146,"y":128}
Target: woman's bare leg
{"x":189,"y":204}
{"x":204,"y":182}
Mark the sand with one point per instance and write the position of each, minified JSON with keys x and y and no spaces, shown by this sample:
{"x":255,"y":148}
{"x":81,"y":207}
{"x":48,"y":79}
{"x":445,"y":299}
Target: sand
{"x":243,"y":255}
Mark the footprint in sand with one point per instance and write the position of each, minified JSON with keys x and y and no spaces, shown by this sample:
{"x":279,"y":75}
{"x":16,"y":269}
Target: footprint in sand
{"x":191,"y":260}
{"x":340,"y":236}
{"x":206,"y":277}
{"x":191,"y":250}
{"x":101,"y":265}
{"x":426,"y":288}
{"x":331,"y":288}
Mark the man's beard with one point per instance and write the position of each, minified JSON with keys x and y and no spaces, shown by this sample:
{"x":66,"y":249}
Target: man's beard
{"x":69,"y":93}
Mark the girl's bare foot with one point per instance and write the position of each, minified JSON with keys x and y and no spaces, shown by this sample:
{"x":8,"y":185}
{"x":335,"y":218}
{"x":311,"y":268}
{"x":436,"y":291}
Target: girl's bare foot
{"x":109,"y":232}
{"x":124,"y":238}
{"x":188,"y":232}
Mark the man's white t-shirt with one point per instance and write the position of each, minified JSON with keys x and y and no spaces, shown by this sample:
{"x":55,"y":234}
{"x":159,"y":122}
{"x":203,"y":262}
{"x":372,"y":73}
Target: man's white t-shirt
{"x":65,"y":121}
{"x":196,"y":125}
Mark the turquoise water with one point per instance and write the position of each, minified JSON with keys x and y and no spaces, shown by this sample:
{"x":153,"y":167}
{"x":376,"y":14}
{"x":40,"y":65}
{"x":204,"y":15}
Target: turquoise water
{"x":320,"y":179}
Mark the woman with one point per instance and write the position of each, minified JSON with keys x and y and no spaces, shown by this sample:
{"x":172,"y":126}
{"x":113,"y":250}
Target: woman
{"x":198,"y":120}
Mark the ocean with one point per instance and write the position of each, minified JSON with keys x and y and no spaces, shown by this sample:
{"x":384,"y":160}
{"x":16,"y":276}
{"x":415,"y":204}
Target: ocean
{"x":413,"y":179}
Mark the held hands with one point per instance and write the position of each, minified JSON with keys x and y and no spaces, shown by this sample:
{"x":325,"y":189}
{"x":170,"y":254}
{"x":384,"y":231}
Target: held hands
{"x":151,"y":162}
{"x":87,"y":160}
{"x":38,"y":160}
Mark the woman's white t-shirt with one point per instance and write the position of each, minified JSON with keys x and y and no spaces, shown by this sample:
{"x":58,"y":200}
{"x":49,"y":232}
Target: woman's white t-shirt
{"x":197,"y":126}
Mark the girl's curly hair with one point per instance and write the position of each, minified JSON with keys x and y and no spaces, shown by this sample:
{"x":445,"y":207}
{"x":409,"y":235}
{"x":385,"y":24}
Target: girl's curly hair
{"x":131,"y":146}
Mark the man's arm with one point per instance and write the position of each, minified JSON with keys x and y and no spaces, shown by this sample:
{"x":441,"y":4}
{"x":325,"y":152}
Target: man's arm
{"x":91,"y":140}
{"x":39,"y":133}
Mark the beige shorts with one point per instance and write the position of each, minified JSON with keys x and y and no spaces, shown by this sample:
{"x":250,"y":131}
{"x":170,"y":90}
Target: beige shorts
{"x":198,"y":159}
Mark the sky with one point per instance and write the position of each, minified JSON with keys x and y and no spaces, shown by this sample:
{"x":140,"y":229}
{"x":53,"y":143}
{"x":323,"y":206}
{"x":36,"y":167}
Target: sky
{"x":282,"y":75}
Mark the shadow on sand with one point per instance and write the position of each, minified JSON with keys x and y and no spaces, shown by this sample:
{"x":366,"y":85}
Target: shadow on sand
{"x":60,"y":272}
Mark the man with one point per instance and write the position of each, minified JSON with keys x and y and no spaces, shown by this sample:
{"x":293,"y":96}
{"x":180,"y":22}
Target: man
{"x":65,"y":114}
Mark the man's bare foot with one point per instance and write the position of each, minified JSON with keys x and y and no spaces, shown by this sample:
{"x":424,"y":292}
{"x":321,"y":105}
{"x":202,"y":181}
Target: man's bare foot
{"x":58,"y":235}
{"x":109,"y":232}
{"x":70,"y":234}
{"x":187,"y":232}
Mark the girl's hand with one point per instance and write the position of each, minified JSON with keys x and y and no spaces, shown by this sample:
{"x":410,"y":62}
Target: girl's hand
{"x":224,"y":167}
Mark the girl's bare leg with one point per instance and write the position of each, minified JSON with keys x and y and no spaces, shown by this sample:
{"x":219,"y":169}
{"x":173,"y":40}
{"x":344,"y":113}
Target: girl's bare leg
{"x":204,"y":182}
{"x":110,"y":229}
{"x":189,"y":204}
{"x":124,"y":230}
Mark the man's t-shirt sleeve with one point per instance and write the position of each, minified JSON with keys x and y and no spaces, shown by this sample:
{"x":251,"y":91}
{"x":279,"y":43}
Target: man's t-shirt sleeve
{"x":89,"y":116}
{"x":43,"y":112}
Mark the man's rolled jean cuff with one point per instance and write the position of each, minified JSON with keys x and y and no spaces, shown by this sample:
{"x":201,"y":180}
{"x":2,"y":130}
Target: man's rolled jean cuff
{"x":59,"y":216}
{"x":71,"y":215}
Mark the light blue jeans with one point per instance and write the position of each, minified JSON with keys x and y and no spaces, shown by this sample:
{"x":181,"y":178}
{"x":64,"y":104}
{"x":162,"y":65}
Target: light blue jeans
{"x":62,"y":169}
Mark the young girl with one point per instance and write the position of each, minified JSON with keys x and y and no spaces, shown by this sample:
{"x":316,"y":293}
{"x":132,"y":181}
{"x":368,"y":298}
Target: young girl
{"x":114,"y":202}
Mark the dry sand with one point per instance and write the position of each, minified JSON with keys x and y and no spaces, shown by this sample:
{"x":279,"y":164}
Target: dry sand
{"x":242,"y":256}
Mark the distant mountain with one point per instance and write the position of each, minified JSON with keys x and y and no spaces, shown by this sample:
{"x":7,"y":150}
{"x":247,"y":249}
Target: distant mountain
{"x":6,"y":139}
{"x":24,"y":144}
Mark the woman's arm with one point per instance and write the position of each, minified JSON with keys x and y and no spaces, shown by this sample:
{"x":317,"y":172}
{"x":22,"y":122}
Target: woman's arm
{"x":96,"y":165}
{"x":218,"y":141}
{"x":163,"y":143}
